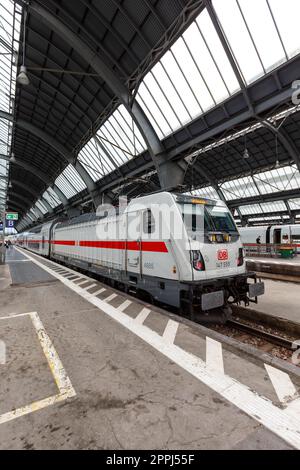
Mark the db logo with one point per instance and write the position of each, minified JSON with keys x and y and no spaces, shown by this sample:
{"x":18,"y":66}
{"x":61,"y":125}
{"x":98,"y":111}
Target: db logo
{"x":222,"y":255}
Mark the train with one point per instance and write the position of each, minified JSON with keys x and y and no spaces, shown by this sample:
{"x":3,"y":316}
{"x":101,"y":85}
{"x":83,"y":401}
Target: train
{"x":272,"y":234}
{"x":178,"y":250}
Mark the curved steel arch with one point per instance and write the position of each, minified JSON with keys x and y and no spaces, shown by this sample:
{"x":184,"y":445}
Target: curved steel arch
{"x":170,"y":174}
{"x":27,"y":201}
{"x":59,"y":148}
{"x":32,"y":169}
{"x":35,"y":194}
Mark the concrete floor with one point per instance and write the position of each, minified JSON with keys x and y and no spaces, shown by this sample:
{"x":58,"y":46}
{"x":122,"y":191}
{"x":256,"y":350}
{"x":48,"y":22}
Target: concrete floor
{"x":129,"y":395}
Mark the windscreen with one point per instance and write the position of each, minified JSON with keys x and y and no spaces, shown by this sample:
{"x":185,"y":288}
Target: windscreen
{"x":201,"y":219}
{"x":218,"y":219}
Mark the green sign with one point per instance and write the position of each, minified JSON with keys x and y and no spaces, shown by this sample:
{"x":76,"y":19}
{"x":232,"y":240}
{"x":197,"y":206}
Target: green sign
{"x":12,"y":216}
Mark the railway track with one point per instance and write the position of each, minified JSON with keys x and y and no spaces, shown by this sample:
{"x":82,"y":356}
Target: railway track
{"x":265,"y":335}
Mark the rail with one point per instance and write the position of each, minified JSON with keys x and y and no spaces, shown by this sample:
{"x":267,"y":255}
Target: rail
{"x":265,"y":335}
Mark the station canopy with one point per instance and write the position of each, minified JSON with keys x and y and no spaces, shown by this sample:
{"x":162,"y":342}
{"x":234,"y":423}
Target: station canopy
{"x":130,"y":97}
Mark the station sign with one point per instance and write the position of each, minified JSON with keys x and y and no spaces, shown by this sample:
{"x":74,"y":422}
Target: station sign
{"x":12,"y":216}
{"x":9,"y":223}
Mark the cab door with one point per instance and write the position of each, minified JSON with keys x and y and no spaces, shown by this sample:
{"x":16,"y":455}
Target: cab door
{"x":133,"y":244}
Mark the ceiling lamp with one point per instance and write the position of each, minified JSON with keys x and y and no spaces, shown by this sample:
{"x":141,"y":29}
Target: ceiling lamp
{"x":22,"y":78}
{"x":246,"y":154}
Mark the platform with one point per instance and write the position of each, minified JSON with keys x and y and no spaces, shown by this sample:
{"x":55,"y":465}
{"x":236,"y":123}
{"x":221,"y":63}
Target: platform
{"x":88,"y":367}
{"x":278,"y":266}
{"x":281,"y":299}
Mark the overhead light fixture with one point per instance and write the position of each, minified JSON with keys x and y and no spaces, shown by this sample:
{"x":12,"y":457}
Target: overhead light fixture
{"x":22,"y":78}
{"x":246,"y":154}
{"x":9,"y":185}
{"x":277,"y":164}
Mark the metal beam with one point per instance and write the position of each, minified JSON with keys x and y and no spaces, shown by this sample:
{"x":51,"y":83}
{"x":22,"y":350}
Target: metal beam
{"x":276,"y":196}
{"x":169,"y":173}
{"x":5,"y":115}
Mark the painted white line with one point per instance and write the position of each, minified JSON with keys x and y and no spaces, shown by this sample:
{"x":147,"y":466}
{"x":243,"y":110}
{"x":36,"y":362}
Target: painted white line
{"x":62,"y":381}
{"x":124,"y":305}
{"x":141,"y":317}
{"x":214,"y":355}
{"x":282,"y":383}
{"x":90,"y":286}
{"x":99,"y":291}
{"x":110,"y":297}
{"x":82,"y":282}
{"x":258,"y":407}
{"x":170,"y":331}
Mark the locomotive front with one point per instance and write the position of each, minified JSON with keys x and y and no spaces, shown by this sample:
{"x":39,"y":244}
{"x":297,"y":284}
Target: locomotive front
{"x":219,"y":277}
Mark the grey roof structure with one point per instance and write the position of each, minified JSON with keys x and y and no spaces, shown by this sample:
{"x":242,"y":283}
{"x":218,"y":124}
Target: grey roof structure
{"x":129,"y":96}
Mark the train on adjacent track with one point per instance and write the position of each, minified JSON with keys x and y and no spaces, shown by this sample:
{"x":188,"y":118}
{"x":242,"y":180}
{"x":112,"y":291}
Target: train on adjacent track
{"x":272,"y":235}
{"x":179,"y":250}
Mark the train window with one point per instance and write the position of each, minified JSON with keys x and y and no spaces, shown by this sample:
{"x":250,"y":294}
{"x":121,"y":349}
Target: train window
{"x":148,"y":221}
{"x":295,"y":238}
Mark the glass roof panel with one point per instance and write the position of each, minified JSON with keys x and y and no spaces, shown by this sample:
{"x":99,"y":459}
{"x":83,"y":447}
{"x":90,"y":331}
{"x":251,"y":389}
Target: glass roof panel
{"x":74,"y":178}
{"x":239,"y":188}
{"x":208,"y":192}
{"x":279,"y":179}
{"x":261,"y":33}
{"x":117,"y":141}
{"x":286,"y":15}
{"x":9,"y":42}
{"x":69,"y":182}
{"x":51,"y":197}
{"x":275,"y":206}
{"x":239,"y":38}
{"x":294,"y":204}
{"x":42,"y":207}
{"x":265,"y":36}
{"x":250,"y":209}
{"x":190,"y":78}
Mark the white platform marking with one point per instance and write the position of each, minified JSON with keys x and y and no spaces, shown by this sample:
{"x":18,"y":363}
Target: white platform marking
{"x":82,"y":282}
{"x":90,"y":286}
{"x":261,"y":409}
{"x":124,"y":305}
{"x":170,"y":331}
{"x":62,"y":381}
{"x":110,"y":297}
{"x":141,"y":317}
{"x":282,"y":383}
{"x":214,"y":355}
{"x":99,"y":291}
